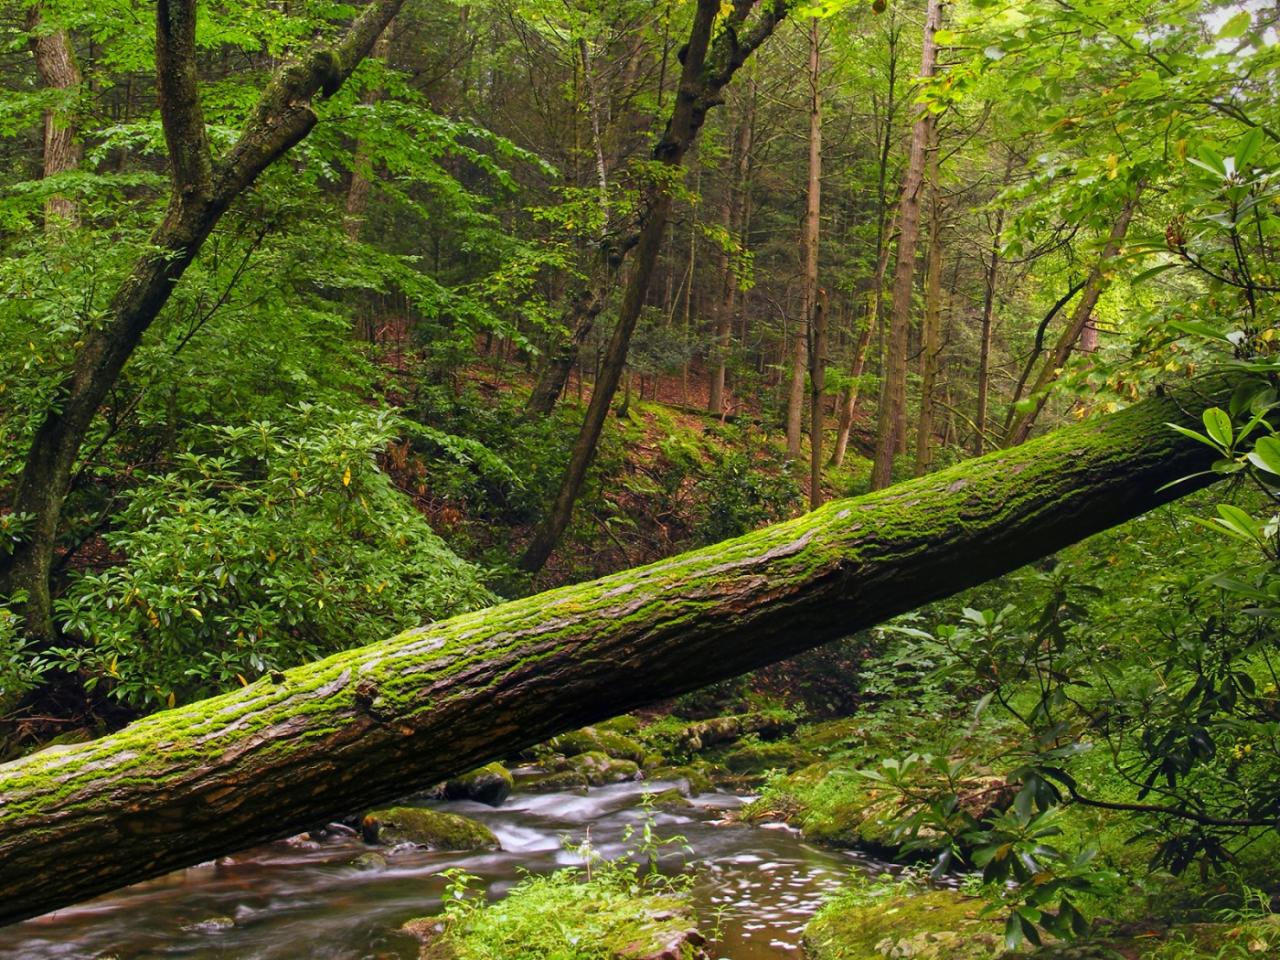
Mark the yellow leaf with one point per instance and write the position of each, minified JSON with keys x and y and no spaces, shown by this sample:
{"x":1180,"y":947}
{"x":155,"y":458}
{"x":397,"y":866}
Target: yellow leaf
{"x":171,"y":699}
{"x":1113,"y":166}
{"x":346,"y":477}
{"x":243,"y":681}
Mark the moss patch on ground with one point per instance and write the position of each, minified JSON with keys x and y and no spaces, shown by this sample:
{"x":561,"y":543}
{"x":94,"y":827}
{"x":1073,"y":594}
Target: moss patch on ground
{"x":564,"y":917}
{"x":924,"y":925}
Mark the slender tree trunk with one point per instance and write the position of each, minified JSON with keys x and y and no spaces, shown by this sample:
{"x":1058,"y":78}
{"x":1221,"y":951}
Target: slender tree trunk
{"x":932,"y":331}
{"x":795,"y":392}
{"x":361,"y":173}
{"x":580,"y":316}
{"x":734,"y":217}
{"x":815,"y":298}
{"x":893,"y":392}
{"x":1037,"y":348}
{"x":707,"y":68}
{"x":201,"y":191}
{"x":56,"y":67}
{"x":849,"y":401}
{"x":984,"y":351}
{"x":586,"y":303}
{"x":690,"y":276}
{"x":875,"y":299}
{"x":357,"y":202}
{"x":374,"y":724}
{"x":1093,"y":288}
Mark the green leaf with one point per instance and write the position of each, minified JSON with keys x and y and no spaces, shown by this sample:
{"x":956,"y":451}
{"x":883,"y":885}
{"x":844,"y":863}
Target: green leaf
{"x":1192,"y":435}
{"x":1237,"y":519}
{"x":1197,"y":329}
{"x":1266,"y":454}
{"x":1154,"y":272}
{"x":1217,"y":424}
{"x":1237,"y":26}
{"x":1013,"y":932}
{"x":1249,"y":145}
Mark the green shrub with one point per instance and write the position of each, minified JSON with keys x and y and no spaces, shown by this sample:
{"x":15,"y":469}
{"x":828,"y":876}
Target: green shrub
{"x":287,"y":544}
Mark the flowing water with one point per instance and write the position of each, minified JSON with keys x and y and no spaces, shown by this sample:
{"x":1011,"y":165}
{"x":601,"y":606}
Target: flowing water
{"x":300,"y":899}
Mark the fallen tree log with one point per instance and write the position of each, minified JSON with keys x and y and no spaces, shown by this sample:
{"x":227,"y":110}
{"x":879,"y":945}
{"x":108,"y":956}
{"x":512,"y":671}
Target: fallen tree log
{"x":376,"y":723}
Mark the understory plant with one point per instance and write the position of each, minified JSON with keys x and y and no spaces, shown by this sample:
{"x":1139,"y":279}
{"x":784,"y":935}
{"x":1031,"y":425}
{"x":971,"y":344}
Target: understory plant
{"x":267,"y":545}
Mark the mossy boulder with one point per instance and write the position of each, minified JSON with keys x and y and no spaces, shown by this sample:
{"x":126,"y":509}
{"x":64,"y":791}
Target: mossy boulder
{"x":370,"y":862}
{"x":489,"y":784}
{"x":671,"y":799}
{"x":601,"y":769}
{"x":694,"y":778}
{"x":699,"y":736}
{"x":432,"y":829}
{"x":600,"y":740}
{"x":626,"y":725}
{"x":921,"y":925}
{"x":754,"y":757}
{"x":552,"y":781}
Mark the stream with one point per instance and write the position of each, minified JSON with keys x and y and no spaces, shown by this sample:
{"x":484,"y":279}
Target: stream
{"x":298,"y":898}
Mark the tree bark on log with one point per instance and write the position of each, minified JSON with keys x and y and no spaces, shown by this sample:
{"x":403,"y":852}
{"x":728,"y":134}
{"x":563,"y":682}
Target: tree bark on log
{"x":367,"y":726}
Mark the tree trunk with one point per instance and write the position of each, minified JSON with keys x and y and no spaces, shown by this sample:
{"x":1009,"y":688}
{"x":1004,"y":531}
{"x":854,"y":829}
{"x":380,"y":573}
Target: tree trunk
{"x":580,"y":318}
{"x":734,"y":216}
{"x":201,"y":191}
{"x":795,"y":391}
{"x":893,"y":392}
{"x":367,"y":726}
{"x":1037,"y":348}
{"x":984,"y":351}
{"x":883,"y":231}
{"x":56,"y":67}
{"x":707,"y":68}
{"x":357,"y":201}
{"x":874,"y":301}
{"x":932,"y":331}
{"x":815,"y":299}
{"x":1093,"y":288}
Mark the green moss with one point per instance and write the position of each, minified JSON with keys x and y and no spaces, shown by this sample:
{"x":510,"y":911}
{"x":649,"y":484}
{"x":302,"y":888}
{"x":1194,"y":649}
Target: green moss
{"x":489,"y":784}
{"x":671,"y":799}
{"x":626,"y":725}
{"x":599,"y":740}
{"x":695,"y":776}
{"x":601,"y":769}
{"x":565,"y":918}
{"x":924,"y":925}
{"x":557,"y":781}
{"x":753,"y":757}
{"x":433,"y":829}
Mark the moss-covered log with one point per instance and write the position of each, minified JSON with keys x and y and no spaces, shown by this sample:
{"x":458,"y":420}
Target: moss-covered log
{"x":365,"y":727}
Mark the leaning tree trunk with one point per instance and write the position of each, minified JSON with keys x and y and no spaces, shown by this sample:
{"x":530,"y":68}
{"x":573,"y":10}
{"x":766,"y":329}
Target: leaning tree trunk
{"x":370,"y":725}
{"x":708,"y":66}
{"x":1093,"y":288}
